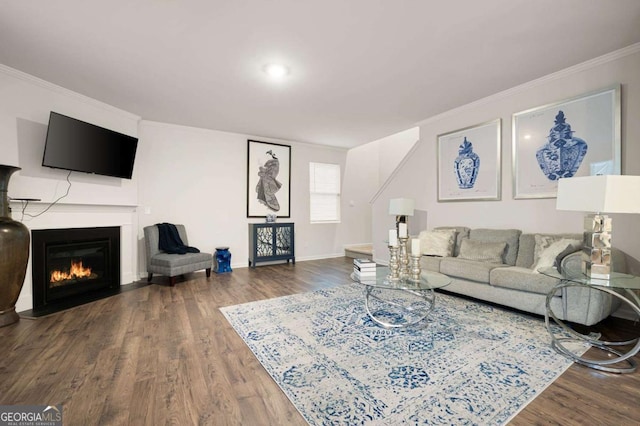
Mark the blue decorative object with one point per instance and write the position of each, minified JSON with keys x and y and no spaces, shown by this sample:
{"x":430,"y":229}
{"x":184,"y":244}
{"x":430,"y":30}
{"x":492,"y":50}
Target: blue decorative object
{"x":466,"y":165}
{"x":562,"y":155}
{"x":222,"y":260}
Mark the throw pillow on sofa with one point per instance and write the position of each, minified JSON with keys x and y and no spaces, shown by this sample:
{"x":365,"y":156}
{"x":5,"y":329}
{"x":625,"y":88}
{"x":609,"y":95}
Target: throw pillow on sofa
{"x":548,"y":256}
{"x":438,"y":242}
{"x":482,"y":251}
{"x":542,"y":243}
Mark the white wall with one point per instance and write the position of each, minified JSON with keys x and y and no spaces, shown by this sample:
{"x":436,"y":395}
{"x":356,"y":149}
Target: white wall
{"x":418,"y":176}
{"x":24,"y":115}
{"x":369,"y":166}
{"x":183,"y":175}
{"x":359,"y":184}
{"x":92,"y":200}
{"x":198,"y":177}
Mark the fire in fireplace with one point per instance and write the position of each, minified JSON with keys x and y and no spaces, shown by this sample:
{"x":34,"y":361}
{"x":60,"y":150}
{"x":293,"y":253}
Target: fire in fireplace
{"x":74,"y":274}
{"x":74,"y":266}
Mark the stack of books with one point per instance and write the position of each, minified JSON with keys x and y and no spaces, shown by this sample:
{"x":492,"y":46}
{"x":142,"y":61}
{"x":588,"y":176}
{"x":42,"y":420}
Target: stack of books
{"x":364,"y":269}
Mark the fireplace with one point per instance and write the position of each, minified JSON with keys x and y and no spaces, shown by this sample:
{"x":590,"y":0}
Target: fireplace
{"x":74,"y":266}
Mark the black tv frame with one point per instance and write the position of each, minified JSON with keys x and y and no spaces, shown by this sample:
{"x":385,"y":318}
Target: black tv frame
{"x":76,"y":145}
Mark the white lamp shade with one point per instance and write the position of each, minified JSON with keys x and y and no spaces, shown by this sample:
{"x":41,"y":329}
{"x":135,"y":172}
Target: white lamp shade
{"x":401,"y":207}
{"x":600,"y":194}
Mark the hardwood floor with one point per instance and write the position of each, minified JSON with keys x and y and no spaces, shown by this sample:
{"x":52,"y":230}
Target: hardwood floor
{"x":166,"y":355}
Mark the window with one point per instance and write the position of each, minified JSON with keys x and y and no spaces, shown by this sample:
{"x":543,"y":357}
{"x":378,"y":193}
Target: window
{"x":324,"y":191}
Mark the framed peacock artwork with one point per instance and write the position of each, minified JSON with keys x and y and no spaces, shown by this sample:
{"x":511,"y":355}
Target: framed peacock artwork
{"x":268,"y":179}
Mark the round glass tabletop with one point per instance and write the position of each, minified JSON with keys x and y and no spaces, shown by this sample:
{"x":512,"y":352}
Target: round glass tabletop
{"x":428,"y":281}
{"x":617,"y":279}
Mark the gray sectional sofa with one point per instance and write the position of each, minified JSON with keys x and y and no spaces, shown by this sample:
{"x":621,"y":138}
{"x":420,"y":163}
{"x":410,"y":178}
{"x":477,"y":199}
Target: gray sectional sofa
{"x":512,"y":282}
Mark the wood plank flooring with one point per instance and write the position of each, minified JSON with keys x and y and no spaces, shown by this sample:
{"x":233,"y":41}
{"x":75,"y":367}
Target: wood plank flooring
{"x":166,"y":355}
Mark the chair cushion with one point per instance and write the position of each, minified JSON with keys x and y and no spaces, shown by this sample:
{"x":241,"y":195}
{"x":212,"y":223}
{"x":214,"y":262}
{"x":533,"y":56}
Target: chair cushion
{"x":175,"y":260}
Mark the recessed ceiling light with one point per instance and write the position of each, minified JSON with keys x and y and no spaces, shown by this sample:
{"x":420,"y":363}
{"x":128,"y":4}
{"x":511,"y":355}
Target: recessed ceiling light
{"x":276,"y":70}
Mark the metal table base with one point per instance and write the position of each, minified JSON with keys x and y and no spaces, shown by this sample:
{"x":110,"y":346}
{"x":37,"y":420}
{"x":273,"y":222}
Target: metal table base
{"x":417,"y":309}
{"x":606,"y":346}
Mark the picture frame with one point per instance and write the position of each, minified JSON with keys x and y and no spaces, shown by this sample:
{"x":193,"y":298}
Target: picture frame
{"x":268,"y":179}
{"x":469,"y":163}
{"x":575,"y":137}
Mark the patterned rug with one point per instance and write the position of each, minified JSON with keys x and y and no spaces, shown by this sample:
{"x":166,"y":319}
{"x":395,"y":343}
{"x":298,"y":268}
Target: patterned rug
{"x":471,"y":364}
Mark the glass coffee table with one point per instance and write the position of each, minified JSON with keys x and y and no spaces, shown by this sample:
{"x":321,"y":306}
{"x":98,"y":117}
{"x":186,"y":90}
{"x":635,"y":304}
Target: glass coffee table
{"x":621,"y":286}
{"x":404,"y":303}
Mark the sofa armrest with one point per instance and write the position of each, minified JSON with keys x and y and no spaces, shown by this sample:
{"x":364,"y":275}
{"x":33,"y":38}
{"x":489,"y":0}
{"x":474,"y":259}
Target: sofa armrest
{"x":430,"y":263}
{"x":586,"y":305}
{"x":583,"y":304}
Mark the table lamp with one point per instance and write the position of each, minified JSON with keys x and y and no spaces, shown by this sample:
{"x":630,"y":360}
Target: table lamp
{"x":401,"y":208}
{"x":599,"y":195}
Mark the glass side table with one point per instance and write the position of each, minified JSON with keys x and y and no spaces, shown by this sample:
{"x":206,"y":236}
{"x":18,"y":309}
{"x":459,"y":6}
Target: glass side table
{"x":619,"y":285}
{"x":392,"y":310}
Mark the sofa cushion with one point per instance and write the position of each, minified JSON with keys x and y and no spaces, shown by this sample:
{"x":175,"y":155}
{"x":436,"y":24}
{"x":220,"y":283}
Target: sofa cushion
{"x":438,"y":242}
{"x":509,"y":236}
{"x":175,"y":260}
{"x":527,"y":246}
{"x":482,"y":251}
{"x":548,"y":256}
{"x":462,"y":233}
{"x":523,"y":279}
{"x":467,"y":269}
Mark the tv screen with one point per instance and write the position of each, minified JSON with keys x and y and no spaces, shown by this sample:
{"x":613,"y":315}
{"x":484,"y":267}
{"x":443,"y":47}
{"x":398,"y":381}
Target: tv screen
{"x":72,"y":144}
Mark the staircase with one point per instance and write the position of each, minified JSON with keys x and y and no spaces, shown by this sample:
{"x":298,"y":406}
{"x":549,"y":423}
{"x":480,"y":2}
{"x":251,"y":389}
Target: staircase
{"x":361,"y":251}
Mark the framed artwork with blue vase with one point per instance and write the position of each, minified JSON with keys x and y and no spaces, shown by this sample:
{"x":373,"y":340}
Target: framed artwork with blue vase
{"x":575,"y":137}
{"x":469,"y":163}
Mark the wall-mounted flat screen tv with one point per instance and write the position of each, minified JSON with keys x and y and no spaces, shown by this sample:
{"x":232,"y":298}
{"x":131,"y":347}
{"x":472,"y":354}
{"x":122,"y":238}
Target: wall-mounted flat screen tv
{"x":72,"y":144}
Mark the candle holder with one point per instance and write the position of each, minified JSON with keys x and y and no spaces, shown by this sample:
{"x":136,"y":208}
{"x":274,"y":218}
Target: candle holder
{"x":404,"y":257}
{"x":394,"y":265}
{"x":415,"y":268}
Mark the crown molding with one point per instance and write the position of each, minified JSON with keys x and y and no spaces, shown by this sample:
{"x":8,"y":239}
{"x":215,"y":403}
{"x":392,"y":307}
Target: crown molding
{"x":203,"y":130}
{"x":20,"y":75}
{"x":592,"y":63}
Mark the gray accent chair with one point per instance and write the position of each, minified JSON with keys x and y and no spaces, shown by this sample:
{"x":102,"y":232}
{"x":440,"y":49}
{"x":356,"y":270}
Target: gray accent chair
{"x":173,"y":265}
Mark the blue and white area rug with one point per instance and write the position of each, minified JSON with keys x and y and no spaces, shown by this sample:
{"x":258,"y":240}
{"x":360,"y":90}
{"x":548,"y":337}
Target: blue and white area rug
{"x":472,"y":363}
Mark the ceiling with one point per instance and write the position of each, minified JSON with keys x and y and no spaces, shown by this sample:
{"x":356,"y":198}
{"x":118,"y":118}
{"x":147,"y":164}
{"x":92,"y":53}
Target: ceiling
{"x":360,"y":69}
